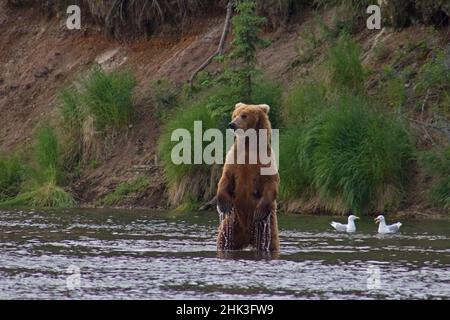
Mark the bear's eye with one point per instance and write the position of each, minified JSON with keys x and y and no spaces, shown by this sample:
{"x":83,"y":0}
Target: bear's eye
{"x":244,"y":116}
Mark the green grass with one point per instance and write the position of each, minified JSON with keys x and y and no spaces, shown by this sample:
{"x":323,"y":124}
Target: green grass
{"x":304,"y":100}
{"x":47,"y":149}
{"x":125,"y":189}
{"x":71,"y":110}
{"x":265,"y":92}
{"x":437,"y":165}
{"x":40,"y":184}
{"x":434,"y":75}
{"x":46,"y":195}
{"x":294,"y":179}
{"x":72,"y":117}
{"x":344,"y":61}
{"x":109,"y":98}
{"x":348,"y":154}
{"x":434,"y":79}
{"x":96,"y":109}
{"x":12,"y":175}
{"x":394,"y":93}
{"x":184,"y":118}
{"x":188,"y":205}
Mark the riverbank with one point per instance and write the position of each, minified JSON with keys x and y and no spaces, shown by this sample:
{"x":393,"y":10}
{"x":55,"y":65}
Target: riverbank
{"x":41,"y":57}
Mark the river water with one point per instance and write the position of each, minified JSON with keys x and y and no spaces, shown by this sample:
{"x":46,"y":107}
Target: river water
{"x":119,"y":254}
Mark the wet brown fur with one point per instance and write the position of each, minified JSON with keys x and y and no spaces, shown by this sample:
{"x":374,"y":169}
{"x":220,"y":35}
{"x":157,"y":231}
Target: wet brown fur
{"x":249,"y":196}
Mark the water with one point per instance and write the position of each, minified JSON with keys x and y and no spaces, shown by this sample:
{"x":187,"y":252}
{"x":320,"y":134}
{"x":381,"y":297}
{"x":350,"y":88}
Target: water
{"x":86,"y":254}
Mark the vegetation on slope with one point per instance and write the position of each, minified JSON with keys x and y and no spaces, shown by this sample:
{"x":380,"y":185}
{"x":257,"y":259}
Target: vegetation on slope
{"x":101,"y":107}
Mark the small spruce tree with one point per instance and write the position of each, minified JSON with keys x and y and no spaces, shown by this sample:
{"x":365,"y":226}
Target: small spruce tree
{"x":247,"y":28}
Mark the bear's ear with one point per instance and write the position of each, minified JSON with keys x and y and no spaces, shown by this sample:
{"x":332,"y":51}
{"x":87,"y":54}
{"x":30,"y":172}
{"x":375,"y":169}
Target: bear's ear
{"x":265,"y":107}
{"x":238,"y":105}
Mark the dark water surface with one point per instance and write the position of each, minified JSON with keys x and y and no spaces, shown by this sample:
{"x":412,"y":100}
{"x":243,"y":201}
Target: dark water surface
{"x":112,"y":254}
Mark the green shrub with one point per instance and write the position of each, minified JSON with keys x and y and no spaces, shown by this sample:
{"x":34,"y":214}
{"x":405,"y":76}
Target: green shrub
{"x":108,"y":97}
{"x":125,"y":189}
{"x":12,"y":175}
{"x":344,"y":61}
{"x":349,"y":154}
{"x":437,"y":165}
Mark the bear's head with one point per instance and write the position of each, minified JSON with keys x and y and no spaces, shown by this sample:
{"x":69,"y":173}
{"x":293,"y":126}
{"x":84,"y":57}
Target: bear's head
{"x":250,"y":116}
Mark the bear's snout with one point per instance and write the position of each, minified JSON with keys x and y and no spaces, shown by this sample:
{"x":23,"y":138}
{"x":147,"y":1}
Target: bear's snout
{"x":232,"y":125}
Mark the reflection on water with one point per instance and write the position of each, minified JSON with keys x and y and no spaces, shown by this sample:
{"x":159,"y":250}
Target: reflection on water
{"x":88,"y":254}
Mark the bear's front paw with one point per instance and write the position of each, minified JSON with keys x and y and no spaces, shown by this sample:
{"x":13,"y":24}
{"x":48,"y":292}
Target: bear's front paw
{"x":262,"y":211}
{"x":224,"y":206}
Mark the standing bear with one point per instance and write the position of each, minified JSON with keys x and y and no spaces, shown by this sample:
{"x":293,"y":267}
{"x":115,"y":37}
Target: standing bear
{"x":248,"y":188}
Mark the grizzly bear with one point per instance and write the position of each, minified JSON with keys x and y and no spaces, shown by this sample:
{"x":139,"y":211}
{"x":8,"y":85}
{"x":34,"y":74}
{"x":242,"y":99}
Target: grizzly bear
{"x":246,"y":198}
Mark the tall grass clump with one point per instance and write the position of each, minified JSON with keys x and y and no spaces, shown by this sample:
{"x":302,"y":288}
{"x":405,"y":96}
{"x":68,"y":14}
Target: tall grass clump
{"x":106,"y":97}
{"x":72,"y":119}
{"x":344,"y":62}
{"x":349,"y":157}
{"x":91,"y":112}
{"x":184,"y":118}
{"x":12,"y":175}
{"x":47,"y":195}
{"x":42,"y":186}
{"x":109,"y":98}
{"x":47,"y":151}
{"x":71,"y":110}
{"x":437,"y":165}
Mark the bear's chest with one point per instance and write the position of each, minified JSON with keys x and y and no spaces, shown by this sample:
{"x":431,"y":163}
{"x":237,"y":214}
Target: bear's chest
{"x":248,"y":184}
